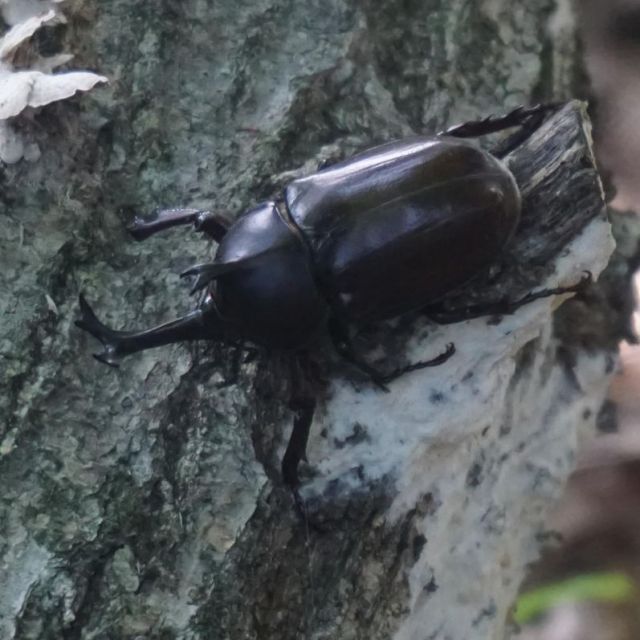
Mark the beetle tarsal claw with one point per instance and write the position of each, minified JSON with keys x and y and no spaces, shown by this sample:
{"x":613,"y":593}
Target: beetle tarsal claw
{"x":90,"y":323}
{"x":579,"y":287}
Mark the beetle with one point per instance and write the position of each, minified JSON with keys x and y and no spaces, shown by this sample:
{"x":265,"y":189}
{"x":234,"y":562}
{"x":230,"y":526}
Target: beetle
{"x":389,"y":231}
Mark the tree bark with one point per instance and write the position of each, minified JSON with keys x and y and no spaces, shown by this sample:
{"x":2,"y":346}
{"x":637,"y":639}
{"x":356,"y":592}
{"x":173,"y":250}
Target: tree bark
{"x":146,"y":502}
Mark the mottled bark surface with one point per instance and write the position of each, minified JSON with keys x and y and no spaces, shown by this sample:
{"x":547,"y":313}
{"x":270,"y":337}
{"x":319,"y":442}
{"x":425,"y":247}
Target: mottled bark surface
{"x":145,"y":502}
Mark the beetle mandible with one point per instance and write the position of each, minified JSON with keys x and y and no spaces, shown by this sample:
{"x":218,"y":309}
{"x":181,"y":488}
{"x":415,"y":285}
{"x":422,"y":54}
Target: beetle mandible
{"x":386,"y":232}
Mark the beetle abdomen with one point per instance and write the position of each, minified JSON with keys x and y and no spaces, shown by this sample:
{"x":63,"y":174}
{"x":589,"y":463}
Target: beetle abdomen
{"x":399,"y":226}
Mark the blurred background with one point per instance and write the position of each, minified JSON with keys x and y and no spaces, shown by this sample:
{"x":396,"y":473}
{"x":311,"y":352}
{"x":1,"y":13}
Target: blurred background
{"x":587,"y":584}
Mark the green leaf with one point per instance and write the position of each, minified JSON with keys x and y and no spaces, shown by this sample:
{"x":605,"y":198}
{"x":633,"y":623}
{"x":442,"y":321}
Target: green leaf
{"x":595,"y":587}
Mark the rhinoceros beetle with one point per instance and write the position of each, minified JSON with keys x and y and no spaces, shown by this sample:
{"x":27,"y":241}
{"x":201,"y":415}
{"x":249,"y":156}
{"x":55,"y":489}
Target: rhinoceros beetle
{"x":389,"y":231}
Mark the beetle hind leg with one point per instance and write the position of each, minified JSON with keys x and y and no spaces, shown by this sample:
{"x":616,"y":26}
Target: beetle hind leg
{"x":422,"y":364}
{"x":527,"y":119}
{"x":505,"y":307}
{"x":344,"y":349}
{"x":342,"y":345}
{"x":493,"y":124}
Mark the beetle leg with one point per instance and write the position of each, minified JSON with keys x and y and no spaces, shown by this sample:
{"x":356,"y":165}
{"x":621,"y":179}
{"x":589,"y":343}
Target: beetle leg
{"x":378,"y":378}
{"x":506,"y":146}
{"x":501,"y":307}
{"x":121,"y":343}
{"x":422,"y":364}
{"x":518,"y":117}
{"x":296,"y":451}
{"x":343,"y":346}
{"x":211,"y":224}
{"x":303,"y":404}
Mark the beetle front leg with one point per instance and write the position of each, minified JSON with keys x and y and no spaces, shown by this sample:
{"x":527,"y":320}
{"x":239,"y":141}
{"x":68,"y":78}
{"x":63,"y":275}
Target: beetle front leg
{"x":121,"y":343}
{"x":211,"y":224}
{"x":500,"y":307}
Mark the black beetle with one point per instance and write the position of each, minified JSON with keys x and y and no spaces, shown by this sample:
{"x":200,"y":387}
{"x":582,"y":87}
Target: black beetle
{"x":389,"y":231}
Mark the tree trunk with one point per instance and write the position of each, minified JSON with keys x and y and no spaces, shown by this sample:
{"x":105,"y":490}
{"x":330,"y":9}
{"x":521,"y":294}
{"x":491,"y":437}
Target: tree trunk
{"x":146,"y":502}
